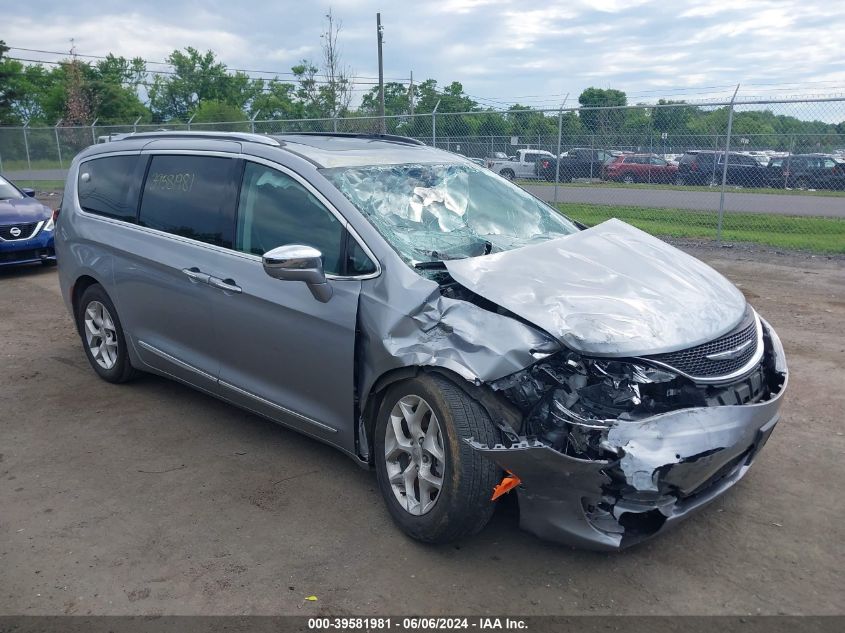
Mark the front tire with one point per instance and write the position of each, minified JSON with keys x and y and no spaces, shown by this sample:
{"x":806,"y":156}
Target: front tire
{"x":507,"y":174}
{"x":102,"y":336}
{"x":436,"y":487}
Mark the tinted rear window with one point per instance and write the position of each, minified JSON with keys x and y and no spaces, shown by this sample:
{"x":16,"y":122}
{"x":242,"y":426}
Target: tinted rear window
{"x":191,"y":196}
{"x":109,"y":186}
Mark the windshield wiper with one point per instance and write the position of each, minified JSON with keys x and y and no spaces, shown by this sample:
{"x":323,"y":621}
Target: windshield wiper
{"x":437,"y":265}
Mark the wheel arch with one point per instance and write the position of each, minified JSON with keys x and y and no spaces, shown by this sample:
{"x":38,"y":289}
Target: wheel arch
{"x":80,"y":285}
{"x":500,"y":410}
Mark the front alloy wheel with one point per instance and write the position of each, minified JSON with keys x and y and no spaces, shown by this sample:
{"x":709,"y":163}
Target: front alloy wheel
{"x":437,"y":488}
{"x":414,"y":456}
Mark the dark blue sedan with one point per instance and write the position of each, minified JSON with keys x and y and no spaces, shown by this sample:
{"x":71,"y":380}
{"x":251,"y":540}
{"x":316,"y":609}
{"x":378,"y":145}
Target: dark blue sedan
{"x":26,"y":227}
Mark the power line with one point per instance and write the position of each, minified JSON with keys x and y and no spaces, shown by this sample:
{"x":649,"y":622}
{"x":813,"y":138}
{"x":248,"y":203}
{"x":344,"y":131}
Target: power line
{"x":174,"y":73}
{"x":242,"y":70}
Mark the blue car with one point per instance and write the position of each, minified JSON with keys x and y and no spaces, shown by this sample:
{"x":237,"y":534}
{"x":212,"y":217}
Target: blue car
{"x":26,"y":227}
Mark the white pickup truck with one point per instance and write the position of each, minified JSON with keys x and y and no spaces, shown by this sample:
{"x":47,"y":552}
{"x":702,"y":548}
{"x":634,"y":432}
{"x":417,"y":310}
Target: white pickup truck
{"x":523,"y":165}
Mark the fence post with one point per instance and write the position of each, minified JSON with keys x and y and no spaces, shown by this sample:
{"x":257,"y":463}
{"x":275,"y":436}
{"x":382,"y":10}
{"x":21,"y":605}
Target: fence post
{"x":252,"y":121}
{"x":58,"y":144}
{"x":650,"y":142}
{"x":93,"y":133}
{"x":725,"y":166}
{"x":788,"y":161}
{"x":135,"y":125}
{"x":434,"y":124}
{"x":26,"y":146}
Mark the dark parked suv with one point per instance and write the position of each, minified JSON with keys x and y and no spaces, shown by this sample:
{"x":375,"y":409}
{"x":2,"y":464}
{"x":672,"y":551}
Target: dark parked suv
{"x":813,"y":171}
{"x":705,"y":168}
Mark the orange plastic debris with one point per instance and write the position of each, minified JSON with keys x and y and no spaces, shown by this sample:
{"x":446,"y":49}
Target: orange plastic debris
{"x":510,"y":482}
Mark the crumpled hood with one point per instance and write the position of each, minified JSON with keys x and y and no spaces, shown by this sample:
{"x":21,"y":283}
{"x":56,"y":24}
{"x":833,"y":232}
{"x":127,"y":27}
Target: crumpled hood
{"x":611,"y":290}
{"x":21,"y":210}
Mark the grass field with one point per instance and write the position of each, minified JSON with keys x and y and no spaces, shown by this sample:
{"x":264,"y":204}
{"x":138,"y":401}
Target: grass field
{"x":39,"y":163}
{"x":821,"y":235}
{"x":606,"y":184}
{"x":41,"y":185}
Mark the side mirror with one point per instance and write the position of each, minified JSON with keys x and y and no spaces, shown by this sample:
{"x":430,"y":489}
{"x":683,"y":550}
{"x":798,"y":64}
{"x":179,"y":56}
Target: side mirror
{"x":295,"y":262}
{"x":28,"y":192}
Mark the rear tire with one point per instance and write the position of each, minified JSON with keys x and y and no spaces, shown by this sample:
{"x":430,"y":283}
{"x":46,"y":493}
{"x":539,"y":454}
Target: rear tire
{"x":629,"y":179}
{"x":507,"y":174}
{"x":102,"y":336}
{"x":462,"y":505}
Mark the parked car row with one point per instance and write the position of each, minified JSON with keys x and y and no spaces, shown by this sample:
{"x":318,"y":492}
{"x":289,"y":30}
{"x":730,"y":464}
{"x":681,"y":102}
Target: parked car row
{"x":794,"y":171}
{"x":759,"y":169}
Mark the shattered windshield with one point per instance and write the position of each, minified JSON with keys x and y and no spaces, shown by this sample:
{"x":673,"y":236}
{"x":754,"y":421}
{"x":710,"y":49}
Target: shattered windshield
{"x":434,"y":212}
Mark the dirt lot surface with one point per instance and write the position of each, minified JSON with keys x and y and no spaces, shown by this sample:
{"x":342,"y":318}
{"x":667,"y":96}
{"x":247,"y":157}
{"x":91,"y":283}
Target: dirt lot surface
{"x":150,"y":498}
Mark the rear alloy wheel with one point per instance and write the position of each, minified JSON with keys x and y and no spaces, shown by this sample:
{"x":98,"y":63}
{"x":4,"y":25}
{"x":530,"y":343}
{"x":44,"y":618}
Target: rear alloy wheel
{"x":802,"y":183}
{"x":436,"y":487}
{"x":629,"y":179}
{"x":102,"y":336}
{"x":507,"y":174}
{"x":680,"y":181}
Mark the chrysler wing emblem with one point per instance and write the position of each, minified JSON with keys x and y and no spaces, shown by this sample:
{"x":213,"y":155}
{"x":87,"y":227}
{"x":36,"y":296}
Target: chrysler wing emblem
{"x":15,"y":231}
{"x":729,"y":354}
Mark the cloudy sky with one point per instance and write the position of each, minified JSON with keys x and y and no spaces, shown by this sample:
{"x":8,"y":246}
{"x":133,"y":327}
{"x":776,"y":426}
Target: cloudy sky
{"x":503,"y":51}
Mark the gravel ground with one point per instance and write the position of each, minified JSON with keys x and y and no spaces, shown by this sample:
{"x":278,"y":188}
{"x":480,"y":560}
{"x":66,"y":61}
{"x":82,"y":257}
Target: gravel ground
{"x":151,"y":498}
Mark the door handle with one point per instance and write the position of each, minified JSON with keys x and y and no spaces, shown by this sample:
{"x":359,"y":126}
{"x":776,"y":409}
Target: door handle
{"x":227,"y":285}
{"x":195,"y":274}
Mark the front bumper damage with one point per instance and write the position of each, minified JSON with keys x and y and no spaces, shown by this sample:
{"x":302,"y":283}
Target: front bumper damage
{"x":664,"y":468}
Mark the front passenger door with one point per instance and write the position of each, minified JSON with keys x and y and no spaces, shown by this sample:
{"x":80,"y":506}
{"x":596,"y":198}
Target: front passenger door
{"x":283,"y":353}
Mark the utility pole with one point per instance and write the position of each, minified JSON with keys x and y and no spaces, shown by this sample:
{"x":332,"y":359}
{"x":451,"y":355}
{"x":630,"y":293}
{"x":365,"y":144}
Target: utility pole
{"x":411,"y":94}
{"x":380,"y":33}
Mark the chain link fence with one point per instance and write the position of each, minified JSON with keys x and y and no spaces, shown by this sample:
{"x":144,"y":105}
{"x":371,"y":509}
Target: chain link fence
{"x":771,"y":172}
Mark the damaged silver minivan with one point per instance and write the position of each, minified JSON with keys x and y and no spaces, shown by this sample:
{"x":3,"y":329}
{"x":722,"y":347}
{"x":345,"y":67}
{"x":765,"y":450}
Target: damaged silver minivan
{"x":428,"y":318}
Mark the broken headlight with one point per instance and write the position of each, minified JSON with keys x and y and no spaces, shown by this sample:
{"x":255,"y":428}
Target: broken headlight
{"x":569,"y":401}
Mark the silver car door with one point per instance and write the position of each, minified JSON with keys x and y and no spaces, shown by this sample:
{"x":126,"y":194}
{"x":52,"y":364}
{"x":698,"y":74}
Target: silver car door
{"x":186,"y":219}
{"x":283,"y":353}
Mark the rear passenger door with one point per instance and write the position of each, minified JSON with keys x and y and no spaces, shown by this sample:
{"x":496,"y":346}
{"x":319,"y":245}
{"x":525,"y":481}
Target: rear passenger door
{"x":185,"y":221}
{"x":283,"y":353}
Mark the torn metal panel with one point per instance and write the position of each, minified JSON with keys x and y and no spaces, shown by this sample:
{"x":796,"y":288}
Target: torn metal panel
{"x":623,"y":480}
{"x":611,"y":290}
{"x":405,"y":321}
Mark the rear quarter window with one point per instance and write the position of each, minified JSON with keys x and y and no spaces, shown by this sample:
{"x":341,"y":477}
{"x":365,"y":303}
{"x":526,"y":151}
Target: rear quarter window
{"x":109,"y":186}
{"x":191,"y":196}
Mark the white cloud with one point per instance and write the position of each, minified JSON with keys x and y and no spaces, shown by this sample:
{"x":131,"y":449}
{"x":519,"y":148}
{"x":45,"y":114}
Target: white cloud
{"x":499,"y":49}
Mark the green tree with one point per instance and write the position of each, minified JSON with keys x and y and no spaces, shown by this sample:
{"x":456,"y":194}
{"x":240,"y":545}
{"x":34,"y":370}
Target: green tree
{"x":276,"y":99}
{"x":602,"y":121}
{"x":210,"y":111}
{"x":197,"y":77}
{"x":396,"y":100}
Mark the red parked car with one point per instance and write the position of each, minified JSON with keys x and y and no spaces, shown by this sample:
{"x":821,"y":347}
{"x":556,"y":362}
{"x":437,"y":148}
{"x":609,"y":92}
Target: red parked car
{"x":631,"y":168}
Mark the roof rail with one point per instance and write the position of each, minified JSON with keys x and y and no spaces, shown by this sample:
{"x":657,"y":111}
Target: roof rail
{"x":395,"y":138}
{"x":223,"y":136}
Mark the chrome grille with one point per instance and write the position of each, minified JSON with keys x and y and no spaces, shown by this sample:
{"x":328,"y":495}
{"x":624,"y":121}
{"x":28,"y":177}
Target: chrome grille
{"x":694,"y":362}
{"x":25,"y":231}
